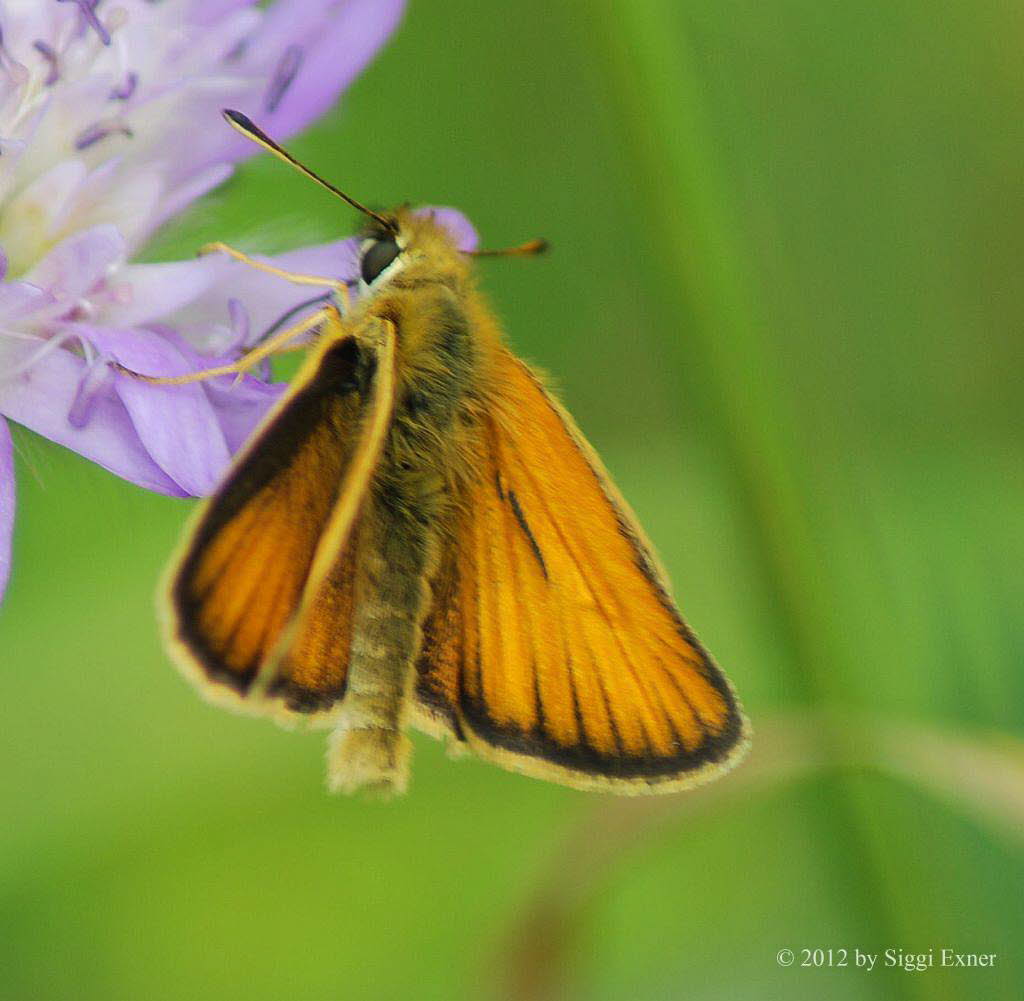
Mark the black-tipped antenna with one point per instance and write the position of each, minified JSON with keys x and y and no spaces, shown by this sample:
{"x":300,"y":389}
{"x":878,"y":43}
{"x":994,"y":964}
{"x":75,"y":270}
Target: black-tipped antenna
{"x":528,"y":249}
{"x":243,"y":124}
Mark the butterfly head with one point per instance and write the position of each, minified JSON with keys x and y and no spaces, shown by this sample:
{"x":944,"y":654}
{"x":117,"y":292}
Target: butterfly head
{"x":406,"y":248}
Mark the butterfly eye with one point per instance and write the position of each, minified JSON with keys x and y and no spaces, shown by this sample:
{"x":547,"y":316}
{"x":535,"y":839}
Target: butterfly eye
{"x":377,"y":257}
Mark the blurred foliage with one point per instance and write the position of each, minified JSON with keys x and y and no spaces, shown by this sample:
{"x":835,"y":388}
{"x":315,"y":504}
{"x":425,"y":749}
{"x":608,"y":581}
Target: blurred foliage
{"x":784,"y":303}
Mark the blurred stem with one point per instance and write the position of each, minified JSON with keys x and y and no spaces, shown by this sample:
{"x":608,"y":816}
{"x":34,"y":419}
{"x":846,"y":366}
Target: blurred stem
{"x":701,"y":252}
{"x":980,"y":776}
{"x":747,"y":411}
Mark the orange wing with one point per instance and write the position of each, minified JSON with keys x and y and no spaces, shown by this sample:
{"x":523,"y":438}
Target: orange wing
{"x":260,"y":600}
{"x":553,"y":647}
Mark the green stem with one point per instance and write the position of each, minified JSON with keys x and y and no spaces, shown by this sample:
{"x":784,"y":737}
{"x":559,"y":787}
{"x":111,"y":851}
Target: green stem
{"x":748,"y":414}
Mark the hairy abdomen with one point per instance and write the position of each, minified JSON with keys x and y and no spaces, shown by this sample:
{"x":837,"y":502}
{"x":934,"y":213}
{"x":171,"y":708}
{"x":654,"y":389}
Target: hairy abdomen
{"x":397,"y":545}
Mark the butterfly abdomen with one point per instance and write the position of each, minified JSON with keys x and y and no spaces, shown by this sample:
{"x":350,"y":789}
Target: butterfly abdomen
{"x":396,"y":548}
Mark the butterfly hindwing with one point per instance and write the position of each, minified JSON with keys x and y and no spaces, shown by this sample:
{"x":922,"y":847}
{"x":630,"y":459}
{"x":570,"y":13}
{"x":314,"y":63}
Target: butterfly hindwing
{"x":553,"y":647}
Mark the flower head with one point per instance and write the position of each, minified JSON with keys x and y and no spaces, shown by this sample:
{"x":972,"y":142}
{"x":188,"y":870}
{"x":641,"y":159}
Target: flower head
{"x":109,"y":126}
{"x":109,"y":113}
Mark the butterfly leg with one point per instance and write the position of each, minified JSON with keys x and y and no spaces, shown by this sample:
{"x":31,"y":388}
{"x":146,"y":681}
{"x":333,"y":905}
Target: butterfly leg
{"x":277,"y":344}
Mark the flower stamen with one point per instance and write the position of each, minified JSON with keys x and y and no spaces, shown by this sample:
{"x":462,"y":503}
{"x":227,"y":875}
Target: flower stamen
{"x":49,"y":345}
{"x":125,"y":90}
{"x":100,"y":130}
{"x":15,"y":70}
{"x":240,"y":326}
{"x":96,"y":378}
{"x":88,"y":12}
{"x":49,"y":53}
{"x":283,"y":76}
{"x":237,"y":50}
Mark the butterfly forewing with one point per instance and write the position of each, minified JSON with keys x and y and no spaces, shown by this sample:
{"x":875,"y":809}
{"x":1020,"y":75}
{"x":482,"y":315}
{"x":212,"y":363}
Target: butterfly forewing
{"x":236,"y":593}
{"x":553,"y":646}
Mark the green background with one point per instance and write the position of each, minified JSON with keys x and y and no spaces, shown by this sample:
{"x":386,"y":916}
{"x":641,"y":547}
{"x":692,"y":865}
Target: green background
{"x":784,"y":303}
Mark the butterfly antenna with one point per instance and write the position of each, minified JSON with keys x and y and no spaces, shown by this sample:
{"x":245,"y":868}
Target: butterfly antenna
{"x":241,"y":123}
{"x":529,"y":249}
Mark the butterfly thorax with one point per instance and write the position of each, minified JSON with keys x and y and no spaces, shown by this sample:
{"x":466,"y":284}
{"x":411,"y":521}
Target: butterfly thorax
{"x":446,"y":342}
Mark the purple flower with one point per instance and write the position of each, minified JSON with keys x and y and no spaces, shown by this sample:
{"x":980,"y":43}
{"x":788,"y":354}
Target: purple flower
{"x":109,"y":126}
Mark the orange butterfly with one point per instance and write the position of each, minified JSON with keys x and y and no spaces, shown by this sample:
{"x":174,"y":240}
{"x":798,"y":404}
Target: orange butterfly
{"x":418,"y":534}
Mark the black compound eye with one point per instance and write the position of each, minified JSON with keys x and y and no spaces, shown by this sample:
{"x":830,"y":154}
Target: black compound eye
{"x":377,"y":257}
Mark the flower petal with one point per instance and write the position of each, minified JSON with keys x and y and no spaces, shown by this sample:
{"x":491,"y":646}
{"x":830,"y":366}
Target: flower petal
{"x":463,"y":232}
{"x":19,"y":300}
{"x":240,"y":403}
{"x":210,"y":11}
{"x":149,"y":292}
{"x":240,"y":408}
{"x":334,"y":55}
{"x":177,"y":424}
{"x":286,"y":73}
{"x":35,"y":215}
{"x":78,"y":263}
{"x":179,"y":198}
{"x":6,"y":503}
{"x":39,"y":398}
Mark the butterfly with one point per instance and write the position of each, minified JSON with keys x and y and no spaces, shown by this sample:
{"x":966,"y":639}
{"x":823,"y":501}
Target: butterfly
{"x":418,"y":535}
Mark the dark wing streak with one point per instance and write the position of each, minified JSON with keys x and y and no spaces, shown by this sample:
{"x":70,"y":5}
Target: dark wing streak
{"x":538,"y":703}
{"x":239,"y":622}
{"x":595,"y":667}
{"x":481,"y":550}
{"x":677,"y":737}
{"x":578,"y":712}
{"x":280,"y":583}
{"x":629,"y":527}
{"x":583,"y":635}
{"x":478,"y":607}
{"x":701,"y":722}
{"x":470,"y":658}
{"x":527,"y":622}
{"x":227,"y":559}
{"x":228,"y":642}
{"x":612,"y":722}
{"x":509,"y":545}
{"x":705,"y":724}
{"x":653,"y":703}
{"x":581,"y":729}
{"x":654,"y":693}
{"x":521,"y":518}
{"x":454,"y":710}
{"x":697,"y":718}
{"x":288,"y":503}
